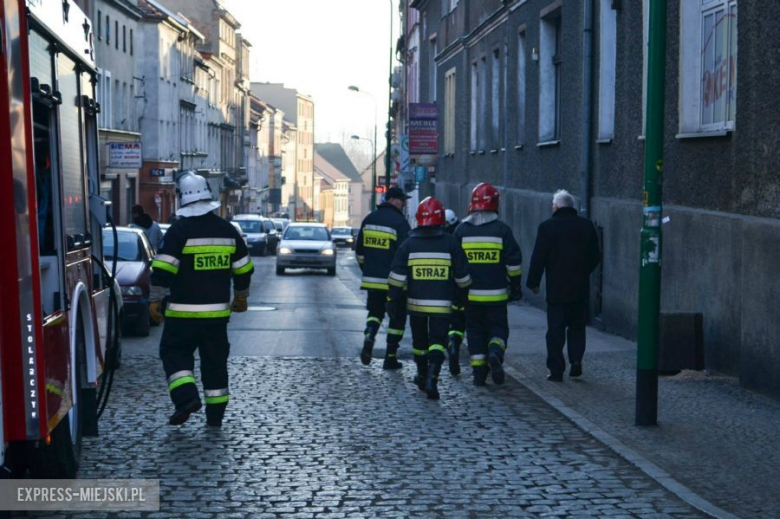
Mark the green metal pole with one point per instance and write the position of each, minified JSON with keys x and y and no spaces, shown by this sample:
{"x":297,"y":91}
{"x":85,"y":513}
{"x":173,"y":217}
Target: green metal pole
{"x":650,"y":251}
{"x":390,"y":104}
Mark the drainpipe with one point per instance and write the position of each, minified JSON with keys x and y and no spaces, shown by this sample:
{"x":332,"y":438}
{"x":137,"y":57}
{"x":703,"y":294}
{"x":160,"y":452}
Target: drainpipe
{"x":587,"y":107}
{"x":507,"y":46}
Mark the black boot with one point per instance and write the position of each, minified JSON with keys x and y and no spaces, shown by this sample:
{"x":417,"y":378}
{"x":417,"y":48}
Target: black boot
{"x":432,"y":380}
{"x":480,"y":375}
{"x":453,"y":353}
{"x":422,"y":372}
{"x":368,"y":346}
{"x":496,"y":361}
{"x":391,"y":358}
{"x":183,"y":414}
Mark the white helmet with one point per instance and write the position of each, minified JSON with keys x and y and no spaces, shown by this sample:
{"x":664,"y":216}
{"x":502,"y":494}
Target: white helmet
{"x":195,"y":197}
{"x":450,"y":217}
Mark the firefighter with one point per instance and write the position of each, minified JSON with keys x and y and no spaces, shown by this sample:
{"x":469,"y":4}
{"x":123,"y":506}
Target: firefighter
{"x":434,"y":268}
{"x":381,"y":233}
{"x":200,"y":255}
{"x":458,"y":319}
{"x":495,"y":265}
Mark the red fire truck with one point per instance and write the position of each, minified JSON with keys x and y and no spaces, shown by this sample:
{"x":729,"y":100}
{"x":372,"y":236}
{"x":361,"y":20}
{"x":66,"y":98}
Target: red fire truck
{"x":56,"y":294}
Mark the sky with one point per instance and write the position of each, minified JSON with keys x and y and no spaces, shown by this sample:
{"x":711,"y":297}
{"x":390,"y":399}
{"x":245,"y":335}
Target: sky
{"x":320,"y":47}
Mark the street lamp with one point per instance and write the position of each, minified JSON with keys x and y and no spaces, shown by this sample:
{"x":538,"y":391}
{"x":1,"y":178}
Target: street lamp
{"x":389,"y":104}
{"x":373,"y":172}
{"x":373,"y":165}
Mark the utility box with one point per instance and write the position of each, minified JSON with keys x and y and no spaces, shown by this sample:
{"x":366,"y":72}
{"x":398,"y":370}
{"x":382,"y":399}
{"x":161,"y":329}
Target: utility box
{"x":681,"y":342}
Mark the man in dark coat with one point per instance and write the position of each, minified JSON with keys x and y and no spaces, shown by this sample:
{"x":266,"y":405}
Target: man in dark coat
{"x":566,"y":251}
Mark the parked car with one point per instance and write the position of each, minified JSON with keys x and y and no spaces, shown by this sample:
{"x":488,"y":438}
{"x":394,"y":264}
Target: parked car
{"x":241,"y":232}
{"x":343,"y":237}
{"x":273,"y":236}
{"x":133,"y":273}
{"x":280,"y":224}
{"x":256,"y":236}
{"x":306,"y":245}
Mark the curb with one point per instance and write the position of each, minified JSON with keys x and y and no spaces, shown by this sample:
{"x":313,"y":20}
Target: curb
{"x":642,"y":463}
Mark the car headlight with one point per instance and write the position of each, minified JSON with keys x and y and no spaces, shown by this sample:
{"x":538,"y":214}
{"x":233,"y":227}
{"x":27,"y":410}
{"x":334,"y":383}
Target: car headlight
{"x":328,"y":252}
{"x":350,"y":240}
{"x":285,"y":250}
{"x":132,"y":291}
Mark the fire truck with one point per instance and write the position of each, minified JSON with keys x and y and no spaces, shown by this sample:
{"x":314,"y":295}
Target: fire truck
{"x":58,"y":300}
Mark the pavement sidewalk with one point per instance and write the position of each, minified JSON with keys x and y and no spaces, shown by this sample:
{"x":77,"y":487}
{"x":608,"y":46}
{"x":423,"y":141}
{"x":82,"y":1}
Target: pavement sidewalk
{"x":716,"y":445}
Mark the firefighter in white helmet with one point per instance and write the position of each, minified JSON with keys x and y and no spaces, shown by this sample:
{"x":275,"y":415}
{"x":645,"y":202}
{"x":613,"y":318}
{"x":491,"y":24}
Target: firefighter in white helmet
{"x":201,"y":254}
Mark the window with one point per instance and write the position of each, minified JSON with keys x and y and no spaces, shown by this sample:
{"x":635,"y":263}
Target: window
{"x":100,"y":25}
{"x":482,"y":115}
{"x":521,"y":74}
{"x":607,"y":64}
{"x":104,"y":98}
{"x":434,"y":49}
{"x":450,"y":112}
{"x":495,"y":99}
{"x":708,"y":83}
{"x":116,"y":35}
{"x":108,"y":30}
{"x":550,"y":61}
{"x":474,"y":105}
{"x":124,"y":38}
{"x":131,"y":42}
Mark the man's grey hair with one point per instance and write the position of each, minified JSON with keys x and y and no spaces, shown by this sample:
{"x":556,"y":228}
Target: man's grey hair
{"x":563,"y":198}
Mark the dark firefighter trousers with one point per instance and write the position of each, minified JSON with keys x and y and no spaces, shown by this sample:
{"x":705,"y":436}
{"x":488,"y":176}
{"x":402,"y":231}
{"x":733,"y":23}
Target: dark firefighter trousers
{"x":376,"y":304}
{"x":177,"y":349}
{"x":429,"y":338}
{"x":487,"y":329}
{"x":457,"y":325}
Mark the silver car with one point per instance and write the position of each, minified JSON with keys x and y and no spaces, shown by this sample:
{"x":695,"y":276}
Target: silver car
{"x":306,"y":245}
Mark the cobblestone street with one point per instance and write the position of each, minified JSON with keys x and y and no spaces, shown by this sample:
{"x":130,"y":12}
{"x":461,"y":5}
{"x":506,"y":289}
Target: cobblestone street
{"x":323,"y":436}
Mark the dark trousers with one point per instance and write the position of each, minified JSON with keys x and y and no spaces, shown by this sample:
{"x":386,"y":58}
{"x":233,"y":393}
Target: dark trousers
{"x":177,"y":349}
{"x":487,"y":328}
{"x":565,"y":325}
{"x":377,"y":300}
{"x":457,"y":325}
{"x":429,"y":337}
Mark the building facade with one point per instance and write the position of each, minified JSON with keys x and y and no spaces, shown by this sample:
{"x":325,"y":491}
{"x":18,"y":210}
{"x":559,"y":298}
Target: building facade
{"x":509,"y":78}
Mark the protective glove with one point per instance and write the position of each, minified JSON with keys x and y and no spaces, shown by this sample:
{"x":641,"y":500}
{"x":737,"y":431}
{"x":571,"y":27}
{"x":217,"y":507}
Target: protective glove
{"x":516,"y":294}
{"x":155,"y":311}
{"x":239,"y":303}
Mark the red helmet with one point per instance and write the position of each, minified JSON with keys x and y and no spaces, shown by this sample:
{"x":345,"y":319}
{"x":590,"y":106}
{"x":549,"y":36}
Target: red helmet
{"x":430,"y":212}
{"x":484,"y":197}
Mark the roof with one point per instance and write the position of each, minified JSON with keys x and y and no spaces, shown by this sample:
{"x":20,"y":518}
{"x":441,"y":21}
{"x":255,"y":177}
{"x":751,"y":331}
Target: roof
{"x":328,"y":171}
{"x":334,"y":154}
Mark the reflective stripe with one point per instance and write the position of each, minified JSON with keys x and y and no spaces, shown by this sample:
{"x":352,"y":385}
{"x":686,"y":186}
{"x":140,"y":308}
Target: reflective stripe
{"x":429,"y":309}
{"x":455,"y":332}
{"x":399,"y":277}
{"x":374,"y":320}
{"x":360,"y":259}
{"x":419,"y":353}
{"x":437,"y":347}
{"x":487,"y":296}
{"x":165,"y":258}
{"x":499,"y":342}
{"x":482,"y":239}
{"x":381,"y":228}
{"x":217,"y":396}
{"x":430,"y":261}
{"x":198,"y":311}
{"x":243,"y":270}
{"x":483,"y":245}
{"x":240,"y":263}
{"x":478,"y":360}
{"x":430,"y":255}
{"x":157,"y":264}
{"x":211,"y":400}
{"x":395,"y":283}
{"x":373,"y":286}
{"x":464,"y":281}
{"x":197,"y":242}
{"x":430,"y":302}
{"x":200,"y":249}
{"x":216,"y":392}
{"x":381,"y":281}
{"x":514,"y":270}
{"x":459,"y":308}
{"x":395,"y":331}
{"x":179,"y":374}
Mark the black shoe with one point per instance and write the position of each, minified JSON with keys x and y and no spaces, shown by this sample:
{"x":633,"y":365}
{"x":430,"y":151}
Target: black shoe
{"x":453,"y":353}
{"x":432,"y":381}
{"x":365,"y":354}
{"x":480,"y":375}
{"x":555,"y":378}
{"x":576,"y":369}
{"x":392,"y":363}
{"x":214,"y":423}
{"x":422,"y":374}
{"x":496,"y":369}
{"x":183,"y":414}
